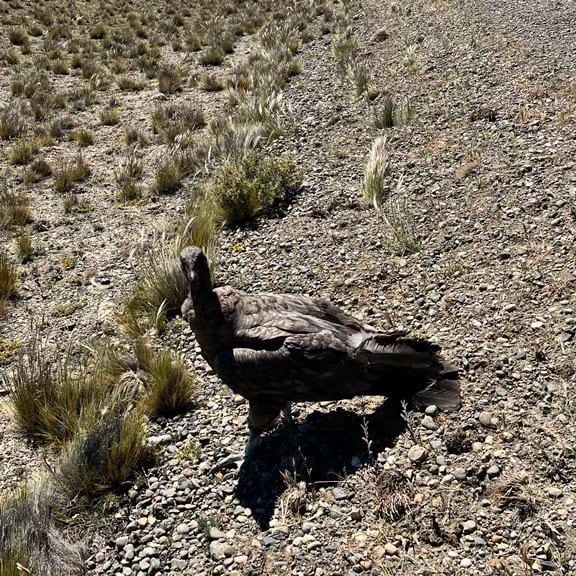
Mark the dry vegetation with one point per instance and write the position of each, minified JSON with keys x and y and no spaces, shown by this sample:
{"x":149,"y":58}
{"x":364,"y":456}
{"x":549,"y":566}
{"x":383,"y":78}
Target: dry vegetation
{"x":131,"y":129}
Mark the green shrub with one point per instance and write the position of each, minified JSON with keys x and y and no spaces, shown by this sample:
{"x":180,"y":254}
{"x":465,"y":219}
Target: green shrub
{"x":245,"y":187}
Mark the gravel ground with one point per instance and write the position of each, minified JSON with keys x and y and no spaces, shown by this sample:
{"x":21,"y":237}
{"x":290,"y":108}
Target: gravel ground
{"x":359,"y":487}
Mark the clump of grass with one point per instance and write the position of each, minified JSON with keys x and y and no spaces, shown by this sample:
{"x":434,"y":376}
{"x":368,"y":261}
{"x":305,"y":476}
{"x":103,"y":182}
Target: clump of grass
{"x":361,"y":79}
{"x":53,"y":398}
{"x":14,"y":208}
{"x":345,"y":48}
{"x":211,"y":83}
{"x":30,"y":539}
{"x":110,"y":116}
{"x":24,"y":247}
{"x":105,"y":457}
{"x":401,"y":231}
{"x":516,"y":491}
{"x":130,"y":84}
{"x":169,"y":79}
{"x":169,"y":177}
{"x":71,"y":172}
{"x":12,"y":122}
{"x":127,"y":175}
{"x":159,"y":294}
{"x":134,"y":135}
{"x":171,"y":386}
{"x":83,"y":137}
{"x":8,"y":278}
{"x":98,"y":32}
{"x":170,"y":121}
{"x":18,"y":36}
{"x":374,"y":187}
{"x":22,"y":152}
{"x":37,"y":170}
{"x":200,"y":226}
{"x":244,"y":188}
{"x":213,"y":56}
{"x":390,"y":113}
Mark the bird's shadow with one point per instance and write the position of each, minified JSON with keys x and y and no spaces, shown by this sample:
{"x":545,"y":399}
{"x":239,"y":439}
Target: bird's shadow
{"x":321,"y":450}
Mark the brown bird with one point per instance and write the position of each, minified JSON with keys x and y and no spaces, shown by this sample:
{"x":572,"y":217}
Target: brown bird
{"x":274,"y":349}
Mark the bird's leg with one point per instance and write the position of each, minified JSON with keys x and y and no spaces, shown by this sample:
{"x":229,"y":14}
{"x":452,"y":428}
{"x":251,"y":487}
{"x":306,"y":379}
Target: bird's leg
{"x":254,"y":441}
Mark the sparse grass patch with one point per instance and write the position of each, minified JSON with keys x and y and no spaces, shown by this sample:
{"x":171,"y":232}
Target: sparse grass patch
{"x":246,"y":187}
{"x":169,"y":177}
{"x":127,"y":175}
{"x":211,"y":83}
{"x":374,"y":187}
{"x":14,"y":208}
{"x":401,"y":231}
{"x":71,"y":173}
{"x":8,"y":278}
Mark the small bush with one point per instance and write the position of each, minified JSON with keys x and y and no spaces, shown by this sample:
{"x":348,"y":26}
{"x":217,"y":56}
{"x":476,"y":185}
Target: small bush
{"x":171,"y":386}
{"x":14,"y":208}
{"x":8,"y":278}
{"x":244,"y":188}
{"x":374,"y":187}
{"x":70,"y":174}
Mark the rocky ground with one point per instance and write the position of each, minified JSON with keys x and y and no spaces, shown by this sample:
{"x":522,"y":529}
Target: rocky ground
{"x":362,"y":486}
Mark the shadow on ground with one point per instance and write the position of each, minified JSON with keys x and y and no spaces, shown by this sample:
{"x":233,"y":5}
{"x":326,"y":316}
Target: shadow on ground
{"x":318,"y":451}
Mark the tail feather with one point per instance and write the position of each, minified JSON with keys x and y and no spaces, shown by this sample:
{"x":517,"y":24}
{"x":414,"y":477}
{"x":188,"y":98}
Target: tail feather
{"x":417,"y":367}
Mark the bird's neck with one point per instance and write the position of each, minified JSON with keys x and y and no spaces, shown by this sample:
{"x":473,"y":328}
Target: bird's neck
{"x":210,"y":326}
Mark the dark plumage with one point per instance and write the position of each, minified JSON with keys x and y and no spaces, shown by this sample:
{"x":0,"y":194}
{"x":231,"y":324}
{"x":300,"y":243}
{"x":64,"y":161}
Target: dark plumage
{"x":277,"y":348}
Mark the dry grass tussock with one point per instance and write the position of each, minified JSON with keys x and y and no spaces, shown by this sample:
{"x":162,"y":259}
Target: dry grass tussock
{"x":30,"y":539}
